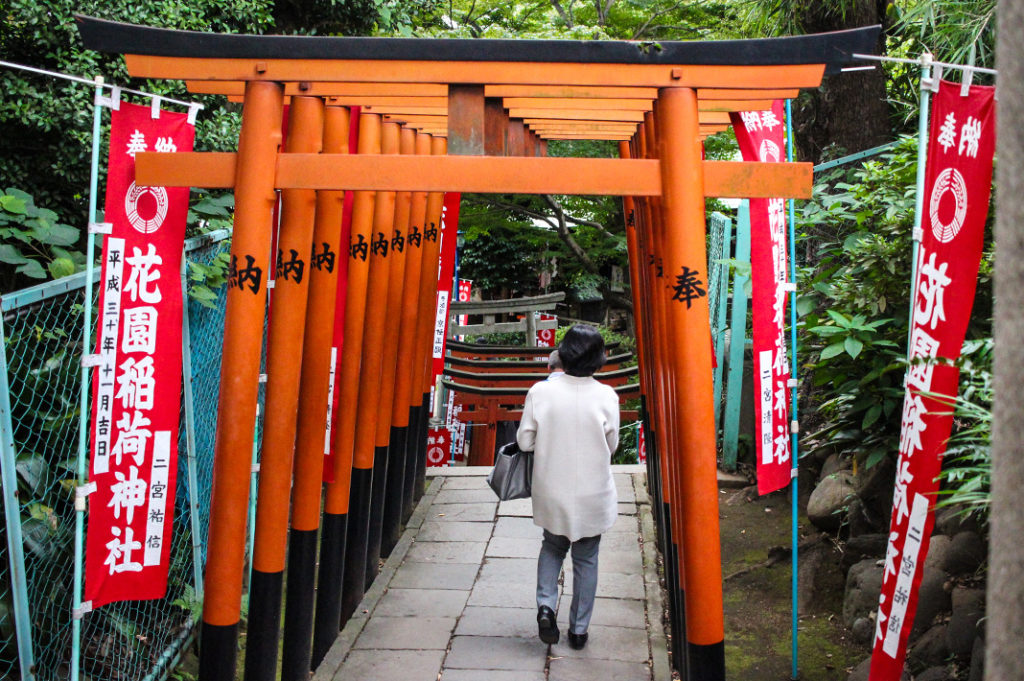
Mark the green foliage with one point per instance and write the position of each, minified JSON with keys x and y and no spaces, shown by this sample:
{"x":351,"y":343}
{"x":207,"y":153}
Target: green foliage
{"x":34,"y":244}
{"x":967,"y":467}
{"x":854,"y":319}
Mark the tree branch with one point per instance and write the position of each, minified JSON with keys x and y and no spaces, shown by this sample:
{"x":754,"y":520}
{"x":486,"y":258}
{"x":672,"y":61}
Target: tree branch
{"x":562,"y":13}
{"x":640,"y":31}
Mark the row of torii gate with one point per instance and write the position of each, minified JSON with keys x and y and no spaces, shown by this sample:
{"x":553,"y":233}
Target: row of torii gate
{"x":447,"y":116}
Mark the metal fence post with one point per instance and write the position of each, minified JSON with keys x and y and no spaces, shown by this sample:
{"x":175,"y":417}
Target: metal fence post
{"x":12,"y":516}
{"x":190,"y":433}
{"x":737,"y":343}
{"x":721,"y":249}
{"x":83,"y":414}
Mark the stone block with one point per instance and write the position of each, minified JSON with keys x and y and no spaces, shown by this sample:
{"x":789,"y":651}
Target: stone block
{"x":571,"y":669}
{"x":608,"y":643}
{"x":476,"y":512}
{"x":496,"y":652}
{"x":498,"y":621}
{"x":447,"y":551}
{"x":513,"y":547}
{"x":375,"y":665}
{"x":406,"y":633}
{"x":418,"y":602}
{"x":433,"y":530}
{"x":465,"y":496}
{"x":412,"y":575}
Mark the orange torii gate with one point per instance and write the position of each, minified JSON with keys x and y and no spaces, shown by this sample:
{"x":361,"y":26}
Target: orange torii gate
{"x":451,"y":115}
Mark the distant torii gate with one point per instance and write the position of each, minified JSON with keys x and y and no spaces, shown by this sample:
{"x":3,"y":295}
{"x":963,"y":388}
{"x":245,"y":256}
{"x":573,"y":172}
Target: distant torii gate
{"x":496,"y":102}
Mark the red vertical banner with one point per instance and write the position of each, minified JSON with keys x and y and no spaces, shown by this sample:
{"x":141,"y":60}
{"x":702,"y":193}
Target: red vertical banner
{"x":958,"y":182}
{"x":333,"y":387}
{"x":445,"y":273}
{"x":545,"y":337}
{"x":760,"y":136}
{"x":137,"y":383}
{"x":465,"y":292}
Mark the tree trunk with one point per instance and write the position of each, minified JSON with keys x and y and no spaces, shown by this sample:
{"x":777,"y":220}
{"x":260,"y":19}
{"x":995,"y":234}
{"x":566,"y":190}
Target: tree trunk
{"x":1004,"y":648}
{"x":849,"y":110}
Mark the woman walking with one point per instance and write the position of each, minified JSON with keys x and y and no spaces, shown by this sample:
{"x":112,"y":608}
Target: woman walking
{"x":572,"y":426}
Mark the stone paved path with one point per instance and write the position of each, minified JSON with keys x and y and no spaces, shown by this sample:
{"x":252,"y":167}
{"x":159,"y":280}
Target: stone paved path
{"x":455,"y":601}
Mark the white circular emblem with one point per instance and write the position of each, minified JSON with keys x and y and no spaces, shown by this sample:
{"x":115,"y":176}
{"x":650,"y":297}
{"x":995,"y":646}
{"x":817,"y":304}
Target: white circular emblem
{"x":949,"y":180}
{"x":769,"y":152}
{"x":435,"y":455}
{"x":146,"y":225}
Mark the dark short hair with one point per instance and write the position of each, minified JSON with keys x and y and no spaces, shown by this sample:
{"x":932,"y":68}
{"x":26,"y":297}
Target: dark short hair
{"x":582,"y":350}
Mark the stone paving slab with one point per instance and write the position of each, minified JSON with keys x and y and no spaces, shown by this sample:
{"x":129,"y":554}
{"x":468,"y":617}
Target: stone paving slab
{"x":517,"y":527}
{"x":497,"y":652}
{"x":408,"y":665}
{"x":504,"y":595}
{"x":465,"y":496}
{"x":513,"y":547}
{"x":413,"y":575}
{"x":611,"y":584}
{"x":508,"y":571}
{"x":456,"y":530}
{"x":406,"y":633}
{"x":517,"y":507}
{"x":627,"y":508}
{"x":447,"y":551}
{"x":412,"y":602}
{"x":477,"y":482}
{"x":608,"y":643}
{"x":572,"y":669}
{"x":491,"y":621}
{"x":621,"y":612}
{"x":624,"y":523}
{"x":490,"y":675}
{"x":475,"y":512}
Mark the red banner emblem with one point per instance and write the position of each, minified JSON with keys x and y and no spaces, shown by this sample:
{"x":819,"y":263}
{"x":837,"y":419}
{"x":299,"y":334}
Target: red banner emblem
{"x":760,"y":136}
{"x":958,"y":183}
{"x":137,"y":383}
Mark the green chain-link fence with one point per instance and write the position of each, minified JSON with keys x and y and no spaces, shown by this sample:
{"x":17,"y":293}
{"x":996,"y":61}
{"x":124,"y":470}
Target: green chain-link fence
{"x":41,"y":334}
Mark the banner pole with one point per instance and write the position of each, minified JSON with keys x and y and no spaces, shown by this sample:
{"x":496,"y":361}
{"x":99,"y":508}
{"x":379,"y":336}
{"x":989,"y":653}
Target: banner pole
{"x":83,"y":413}
{"x":190,"y":433}
{"x":922,"y":161}
{"x":794,"y":421}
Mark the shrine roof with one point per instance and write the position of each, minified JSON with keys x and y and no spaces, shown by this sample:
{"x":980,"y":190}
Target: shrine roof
{"x":833,"y":50}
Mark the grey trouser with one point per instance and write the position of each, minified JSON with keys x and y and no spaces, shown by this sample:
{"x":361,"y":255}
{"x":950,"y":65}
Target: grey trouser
{"x":584,"y":576}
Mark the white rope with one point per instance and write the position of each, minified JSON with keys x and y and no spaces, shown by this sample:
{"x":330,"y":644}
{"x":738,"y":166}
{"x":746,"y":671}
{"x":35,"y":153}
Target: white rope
{"x":193,"y":106}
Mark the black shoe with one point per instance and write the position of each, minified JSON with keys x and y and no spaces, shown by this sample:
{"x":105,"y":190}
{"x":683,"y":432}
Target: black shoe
{"x":578,"y":641}
{"x":547,"y":627}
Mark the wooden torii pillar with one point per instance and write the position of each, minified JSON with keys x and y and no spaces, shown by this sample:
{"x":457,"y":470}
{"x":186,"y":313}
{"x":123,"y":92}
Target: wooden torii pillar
{"x":497,"y":102}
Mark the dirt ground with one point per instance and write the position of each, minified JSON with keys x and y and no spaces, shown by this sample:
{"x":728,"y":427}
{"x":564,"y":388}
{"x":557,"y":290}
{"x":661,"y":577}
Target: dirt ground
{"x":757,"y":594}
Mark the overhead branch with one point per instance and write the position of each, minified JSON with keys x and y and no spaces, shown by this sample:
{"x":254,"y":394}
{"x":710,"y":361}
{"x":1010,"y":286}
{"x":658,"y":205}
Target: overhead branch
{"x":566,"y":17}
{"x":638,"y":33}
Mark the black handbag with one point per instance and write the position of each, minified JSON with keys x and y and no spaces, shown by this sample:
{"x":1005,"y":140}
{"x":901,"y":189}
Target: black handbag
{"x":512,"y":474}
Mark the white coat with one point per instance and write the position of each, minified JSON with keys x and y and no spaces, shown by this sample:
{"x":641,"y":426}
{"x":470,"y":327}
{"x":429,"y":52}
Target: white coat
{"x":572,"y":427}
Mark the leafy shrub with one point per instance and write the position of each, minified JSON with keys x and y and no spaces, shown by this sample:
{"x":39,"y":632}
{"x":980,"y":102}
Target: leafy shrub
{"x":34,"y":242}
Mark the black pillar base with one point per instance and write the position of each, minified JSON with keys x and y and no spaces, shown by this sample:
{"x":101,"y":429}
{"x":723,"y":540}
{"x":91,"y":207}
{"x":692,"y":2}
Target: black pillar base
{"x":298,"y":613}
{"x":421,"y":449}
{"x":409,"y":483}
{"x":378,"y":487}
{"x":218,"y":651}
{"x":394,"y":494}
{"x":354,"y":581}
{"x":327,"y":622}
{"x":263,"y":625}
{"x":707,"y":662}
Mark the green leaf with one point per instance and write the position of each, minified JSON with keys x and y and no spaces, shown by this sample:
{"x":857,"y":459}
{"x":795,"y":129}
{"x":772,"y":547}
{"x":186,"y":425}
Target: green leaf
{"x":839,"y":318}
{"x":804,"y":305}
{"x":853,"y":346}
{"x":872,"y":416}
{"x":61,"y":267}
{"x":832,"y":351}
{"x":13,"y":204}
{"x":11,"y":255}
{"x":33,"y":269}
